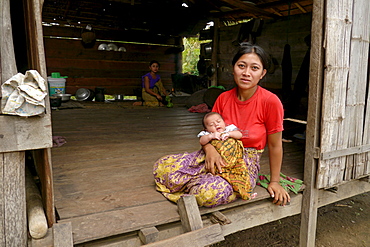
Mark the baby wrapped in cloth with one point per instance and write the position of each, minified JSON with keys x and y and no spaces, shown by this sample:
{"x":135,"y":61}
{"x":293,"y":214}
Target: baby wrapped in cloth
{"x":235,"y":172}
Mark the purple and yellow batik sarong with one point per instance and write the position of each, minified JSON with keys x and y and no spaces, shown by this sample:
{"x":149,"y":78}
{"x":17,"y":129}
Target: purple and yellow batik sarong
{"x":184,"y":174}
{"x":235,"y":170}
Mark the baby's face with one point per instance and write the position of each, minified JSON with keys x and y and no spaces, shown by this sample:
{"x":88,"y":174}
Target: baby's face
{"x":214,"y":123}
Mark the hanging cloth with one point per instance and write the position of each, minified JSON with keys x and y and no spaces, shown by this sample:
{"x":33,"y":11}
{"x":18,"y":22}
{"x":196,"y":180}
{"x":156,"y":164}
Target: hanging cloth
{"x":24,"y":95}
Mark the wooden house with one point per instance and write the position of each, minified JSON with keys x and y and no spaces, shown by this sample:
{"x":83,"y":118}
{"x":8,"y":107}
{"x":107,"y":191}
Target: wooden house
{"x":97,"y":190}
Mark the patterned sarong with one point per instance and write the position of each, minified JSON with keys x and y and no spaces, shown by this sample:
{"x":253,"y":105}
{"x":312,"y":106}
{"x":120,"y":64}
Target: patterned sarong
{"x":184,"y":174}
{"x":235,"y":172}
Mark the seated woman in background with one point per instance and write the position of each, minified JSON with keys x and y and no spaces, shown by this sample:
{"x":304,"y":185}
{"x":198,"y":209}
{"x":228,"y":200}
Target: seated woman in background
{"x":153,"y":92}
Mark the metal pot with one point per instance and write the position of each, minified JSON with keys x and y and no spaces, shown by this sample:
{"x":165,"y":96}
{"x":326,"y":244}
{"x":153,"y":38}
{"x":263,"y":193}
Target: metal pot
{"x":55,"y":101}
{"x":64,"y":96}
{"x":85,"y":94}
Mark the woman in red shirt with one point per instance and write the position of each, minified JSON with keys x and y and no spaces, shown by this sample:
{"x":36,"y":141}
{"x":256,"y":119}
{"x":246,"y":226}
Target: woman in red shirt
{"x":258,"y":114}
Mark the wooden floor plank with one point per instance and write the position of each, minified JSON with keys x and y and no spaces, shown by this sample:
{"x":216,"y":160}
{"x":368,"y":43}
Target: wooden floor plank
{"x":103,"y":178}
{"x":103,"y":224}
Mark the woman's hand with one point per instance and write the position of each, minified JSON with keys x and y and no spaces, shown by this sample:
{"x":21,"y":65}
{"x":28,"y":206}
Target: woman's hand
{"x":213,"y":159}
{"x":159,"y":97}
{"x":280,"y":195}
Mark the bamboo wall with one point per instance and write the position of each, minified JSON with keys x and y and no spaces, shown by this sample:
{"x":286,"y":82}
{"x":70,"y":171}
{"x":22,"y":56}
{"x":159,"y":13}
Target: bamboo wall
{"x":345,"y":140}
{"x":118,"y":72}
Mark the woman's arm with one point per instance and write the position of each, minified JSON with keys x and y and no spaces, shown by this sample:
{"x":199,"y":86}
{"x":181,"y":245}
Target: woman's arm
{"x":275,"y":147}
{"x":213,"y":159}
{"x":203,"y":140}
{"x":164,"y":92}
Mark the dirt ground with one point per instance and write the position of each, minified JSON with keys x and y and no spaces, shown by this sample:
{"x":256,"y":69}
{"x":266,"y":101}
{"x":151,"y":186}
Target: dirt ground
{"x":344,"y":223}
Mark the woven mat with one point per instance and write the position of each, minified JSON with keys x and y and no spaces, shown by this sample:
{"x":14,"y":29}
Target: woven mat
{"x":71,"y":104}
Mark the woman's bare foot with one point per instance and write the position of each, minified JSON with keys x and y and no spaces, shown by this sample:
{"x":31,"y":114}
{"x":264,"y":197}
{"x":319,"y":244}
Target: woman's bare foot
{"x":137,"y":103}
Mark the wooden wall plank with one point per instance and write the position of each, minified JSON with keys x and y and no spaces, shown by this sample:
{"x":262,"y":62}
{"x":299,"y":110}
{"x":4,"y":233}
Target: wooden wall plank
{"x":71,"y":59}
{"x":2,"y":202}
{"x":367,"y":124}
{"x":18,"y":133}
{"x":337,"y":44}
{"x":14,"y":199}
{"x":345,"y":92}
{"x":106,"y":65}
{"x":358,"y":79}
{"x":7,"y":58}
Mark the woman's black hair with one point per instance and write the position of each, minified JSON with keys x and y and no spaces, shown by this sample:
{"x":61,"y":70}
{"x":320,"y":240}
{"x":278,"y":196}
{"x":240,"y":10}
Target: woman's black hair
{"x":154,"y":61}
{"x":246,"y":48}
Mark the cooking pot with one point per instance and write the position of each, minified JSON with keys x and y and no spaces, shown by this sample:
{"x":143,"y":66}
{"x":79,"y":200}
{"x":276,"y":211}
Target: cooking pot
{"x":64,"y":96}
{"x":55,"y":101}
{"x":85,"y":94}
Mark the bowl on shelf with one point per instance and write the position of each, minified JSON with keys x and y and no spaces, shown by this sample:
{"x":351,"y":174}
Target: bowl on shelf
{"x":64,"y":96}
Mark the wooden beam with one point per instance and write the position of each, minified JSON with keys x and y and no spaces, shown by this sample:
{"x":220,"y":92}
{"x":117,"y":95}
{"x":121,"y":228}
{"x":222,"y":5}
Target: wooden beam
{"x":219,"y":218}
{"x":300,"y":7}
{"x":198,"y":238}
{"x":347,"y":151}
{"x":346,"y":190}
{"x":37,"y":225}
{"x":276,"y":12}
{"x":248,"y":7}
{"x":149,"y":235}
{"x":189,"y":213}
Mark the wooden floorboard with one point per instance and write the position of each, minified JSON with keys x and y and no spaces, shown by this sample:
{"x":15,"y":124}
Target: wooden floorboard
{"x":103,"y":178}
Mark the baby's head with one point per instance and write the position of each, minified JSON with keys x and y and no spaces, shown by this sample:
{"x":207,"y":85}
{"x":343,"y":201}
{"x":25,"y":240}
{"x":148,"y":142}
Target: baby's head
{"x":213,"y":122}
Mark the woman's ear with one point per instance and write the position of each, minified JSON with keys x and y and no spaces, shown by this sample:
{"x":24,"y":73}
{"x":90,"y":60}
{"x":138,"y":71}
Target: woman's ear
{"x":263,"y":73}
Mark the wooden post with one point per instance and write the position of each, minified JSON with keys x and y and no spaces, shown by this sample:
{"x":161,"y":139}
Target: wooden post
{"x":189,"y":213}
{"x":214,"y":58}
{"x":36,"y":55}
{"x":13,"y":223}
{"x":62,"y":234}
{"x":310,"y":194}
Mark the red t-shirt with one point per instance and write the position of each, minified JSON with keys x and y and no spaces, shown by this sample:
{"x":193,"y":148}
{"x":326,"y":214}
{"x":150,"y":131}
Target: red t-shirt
{"x":257,"y":117}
